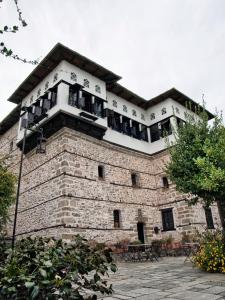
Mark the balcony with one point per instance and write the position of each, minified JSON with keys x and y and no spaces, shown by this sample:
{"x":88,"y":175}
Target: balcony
{"x":86,"y":101}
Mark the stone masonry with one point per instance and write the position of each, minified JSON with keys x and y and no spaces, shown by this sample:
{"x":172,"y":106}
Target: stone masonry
{"x":62,"y":195}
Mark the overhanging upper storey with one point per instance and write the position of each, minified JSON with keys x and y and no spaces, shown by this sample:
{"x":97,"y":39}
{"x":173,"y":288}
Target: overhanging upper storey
{"x":178,"y":97}
{"x":51,"y":60}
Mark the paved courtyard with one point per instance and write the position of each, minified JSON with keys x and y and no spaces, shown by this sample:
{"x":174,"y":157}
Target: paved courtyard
{"x":170,"y":278}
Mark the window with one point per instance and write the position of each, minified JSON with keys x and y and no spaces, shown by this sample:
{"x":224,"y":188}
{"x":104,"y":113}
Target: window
{"x":134,"y":179}
{"x":73,"y":76}
{"x":165,"y":182}
{"x":155,"y":132}
{"x":163,"y":111}
{"x":135,"y":130}
{"x":180,"y":122}
{"x":86,"y":83}
{"x":53,"y":97}
{"x":38,"y":92}
{"x":134,"y":113}
{"x":152,"y":116}
{"x":46,"y":85}
{"x":55,"y":77}
{"x":126,"y":126}
{"x":166,"y":128}
{"x":142,"y":116}
{"x":125,"y":108}
{"x":114,"y":103}
{"x":101,"y":172}
{"x":98,"y":107}
{"x":116,"y":218}
{"x":11,"y":146}
{"x":114,"y":120}
{"x":167,"y":219}
{"x":144,"y":133}
{"x":209,"y":218}
{"x":97,"y":89}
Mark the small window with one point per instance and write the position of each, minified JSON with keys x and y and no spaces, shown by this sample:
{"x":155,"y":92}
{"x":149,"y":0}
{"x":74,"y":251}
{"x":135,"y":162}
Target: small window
{"x":11,"y":146}
{"x":209,"y":218}
{"x":73,"y":76}
{"x":101,"y":174}
{"x":125,"y":108}
{"x":97,"y":89}
{"x":167,"y":219}
{"x":114,"y":103}
{"x":55,"y":78}
{"x":46,"y":85}
{"x":163,"y":111}
{"x":134,"y":113}
{"x":152,"y":116}
{"x":86,"y":83}
{"x":142,"y":116}
{"x":165,"y":182}
{"x":116,"y":218}
{"x":134,"y":179}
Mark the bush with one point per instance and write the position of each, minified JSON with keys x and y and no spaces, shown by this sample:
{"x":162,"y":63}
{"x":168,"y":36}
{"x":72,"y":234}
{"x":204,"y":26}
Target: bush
{"x":43,"y":268}
{"x":211,"y":255}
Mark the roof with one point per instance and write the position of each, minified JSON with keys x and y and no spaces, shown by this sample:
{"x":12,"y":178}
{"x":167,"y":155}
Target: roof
{"x":51,"y":60}
{"x":177,"y":96}
{"x":122,"y":92}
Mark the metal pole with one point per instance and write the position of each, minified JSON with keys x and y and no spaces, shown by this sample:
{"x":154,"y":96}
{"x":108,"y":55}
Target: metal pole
{"x":18,"y":188}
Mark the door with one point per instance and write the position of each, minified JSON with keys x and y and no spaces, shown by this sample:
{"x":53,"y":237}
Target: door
{"x":141,"y":234}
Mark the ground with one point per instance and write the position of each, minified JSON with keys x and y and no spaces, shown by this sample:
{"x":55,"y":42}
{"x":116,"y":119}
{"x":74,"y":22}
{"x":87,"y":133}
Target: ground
{"x":170,"y":278}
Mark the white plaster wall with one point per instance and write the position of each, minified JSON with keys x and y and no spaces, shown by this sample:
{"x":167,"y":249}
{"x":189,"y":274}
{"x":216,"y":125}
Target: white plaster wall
{"x":130,"y":106}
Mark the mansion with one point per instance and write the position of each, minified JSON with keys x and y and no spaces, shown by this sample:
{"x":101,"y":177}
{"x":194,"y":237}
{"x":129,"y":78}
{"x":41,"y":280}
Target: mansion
{"x":103,"y":173}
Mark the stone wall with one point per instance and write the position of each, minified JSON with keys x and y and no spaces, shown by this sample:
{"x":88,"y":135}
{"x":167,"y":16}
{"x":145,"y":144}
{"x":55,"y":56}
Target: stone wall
{"x":61,"y":193}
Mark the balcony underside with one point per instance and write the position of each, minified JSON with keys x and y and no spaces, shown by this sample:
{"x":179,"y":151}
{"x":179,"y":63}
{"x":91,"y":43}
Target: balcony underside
{"x":64,"y":120}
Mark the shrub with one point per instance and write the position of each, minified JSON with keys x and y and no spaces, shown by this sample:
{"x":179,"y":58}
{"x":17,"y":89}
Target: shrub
{"x":211,"y":255}
{"x":43,"y":268}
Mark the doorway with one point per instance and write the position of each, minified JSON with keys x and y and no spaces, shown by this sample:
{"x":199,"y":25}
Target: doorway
{"x":140,"y":230}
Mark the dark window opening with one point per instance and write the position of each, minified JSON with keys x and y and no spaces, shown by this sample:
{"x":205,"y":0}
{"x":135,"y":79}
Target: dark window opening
{"x":144,"y":133}
{"x":167,"y":219}
{"x":53,"y":97}
{"x":114,"y":121}
{"x":165,"y":182}
{"x":209,"y":218}
{"x":134,"y":179}
{"x":166,"y":128}
{"x":116,"y":218}
{"x":160,"y":129}
{"x":98,"y":107}
{"x":155,"y":132}
{"x":101,"y":172}
{"x":135,"y":131}
{"x":180,"y":122}
{"x":126,"y":126}
{"x":11,"y":146}
{"x":73,"y":96}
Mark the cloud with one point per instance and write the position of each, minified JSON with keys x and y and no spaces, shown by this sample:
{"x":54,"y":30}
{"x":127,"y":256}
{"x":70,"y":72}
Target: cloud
{"x":154,"y":45}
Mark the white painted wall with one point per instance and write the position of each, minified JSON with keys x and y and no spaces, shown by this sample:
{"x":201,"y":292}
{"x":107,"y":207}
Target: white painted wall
{"x":64,"y":70}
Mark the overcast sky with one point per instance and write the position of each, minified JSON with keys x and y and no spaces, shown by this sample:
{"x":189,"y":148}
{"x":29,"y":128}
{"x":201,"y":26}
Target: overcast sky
{"x":153,"y":44}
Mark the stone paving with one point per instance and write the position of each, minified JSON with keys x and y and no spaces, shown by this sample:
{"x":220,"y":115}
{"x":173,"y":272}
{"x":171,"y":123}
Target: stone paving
{"x":170,"y":278}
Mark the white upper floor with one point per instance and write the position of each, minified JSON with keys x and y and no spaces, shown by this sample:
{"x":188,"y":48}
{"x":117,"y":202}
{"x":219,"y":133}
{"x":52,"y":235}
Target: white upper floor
{"x":128,"y":120}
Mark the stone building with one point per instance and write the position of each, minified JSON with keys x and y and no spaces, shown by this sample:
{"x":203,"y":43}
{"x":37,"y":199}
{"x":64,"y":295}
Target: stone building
{"x":103,"y":172}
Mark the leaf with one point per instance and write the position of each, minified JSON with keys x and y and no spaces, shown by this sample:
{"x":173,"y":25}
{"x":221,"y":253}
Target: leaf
{"x":35,"y":292}
{"x":43,"y":272}
{"x":48,"y":263}
{"x":29,"y":284}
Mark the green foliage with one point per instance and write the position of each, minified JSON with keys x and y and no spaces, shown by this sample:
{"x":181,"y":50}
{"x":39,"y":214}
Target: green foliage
{"x":197,"y":164}
{"x":43,"y":268}
{"x":7,"y":194}
{"x":211,"y":255}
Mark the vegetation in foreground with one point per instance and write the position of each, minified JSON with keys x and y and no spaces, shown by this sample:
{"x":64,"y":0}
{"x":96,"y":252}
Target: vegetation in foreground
{"x":44,"y":268}
{"x":211,"y":255}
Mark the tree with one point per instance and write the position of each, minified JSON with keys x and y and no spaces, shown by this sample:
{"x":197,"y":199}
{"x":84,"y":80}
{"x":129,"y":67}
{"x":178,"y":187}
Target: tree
{"x":7,"y":194}
{"x":6,"y":51}
{"x":197,"y":164}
